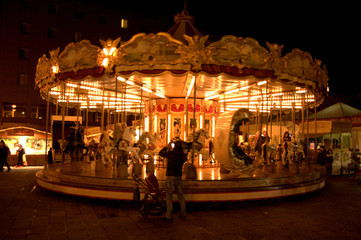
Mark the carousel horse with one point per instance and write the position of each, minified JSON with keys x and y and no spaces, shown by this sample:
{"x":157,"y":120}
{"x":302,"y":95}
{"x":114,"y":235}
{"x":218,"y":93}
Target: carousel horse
{"x":118,"y":132}
{"x":147,"y":145}
{"x":297,"y":154}
{"x":105,"y":147}
{"x":292,"y":153}
{"x":127,"y":142}
{"x":198,"y":141}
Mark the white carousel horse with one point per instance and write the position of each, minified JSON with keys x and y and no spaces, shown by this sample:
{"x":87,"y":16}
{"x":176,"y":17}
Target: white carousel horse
{"x":105,"y":146}
{"x":127,"y":142}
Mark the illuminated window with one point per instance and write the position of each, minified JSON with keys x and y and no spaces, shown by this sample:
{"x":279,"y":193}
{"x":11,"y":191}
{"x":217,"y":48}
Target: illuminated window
{"x":12,"y":110}
{"x":38,"y":112}
{"x":124,"y":23}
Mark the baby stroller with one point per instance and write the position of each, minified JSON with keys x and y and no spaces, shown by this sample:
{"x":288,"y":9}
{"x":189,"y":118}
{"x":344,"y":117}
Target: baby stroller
{"x":153,"y":202}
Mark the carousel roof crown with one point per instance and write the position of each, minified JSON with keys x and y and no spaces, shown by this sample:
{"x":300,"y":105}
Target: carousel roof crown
{"x":183,"y":25}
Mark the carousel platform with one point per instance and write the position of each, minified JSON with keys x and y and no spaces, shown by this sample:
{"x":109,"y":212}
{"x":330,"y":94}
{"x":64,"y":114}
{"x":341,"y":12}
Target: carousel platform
{"x":210,"y":185}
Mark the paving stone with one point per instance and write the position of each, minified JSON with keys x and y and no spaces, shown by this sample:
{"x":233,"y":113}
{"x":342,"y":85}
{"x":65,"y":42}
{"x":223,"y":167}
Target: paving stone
{"x":332,"y":213}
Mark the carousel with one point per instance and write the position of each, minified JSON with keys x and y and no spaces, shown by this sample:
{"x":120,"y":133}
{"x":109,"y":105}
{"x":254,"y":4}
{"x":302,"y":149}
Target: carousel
{"x":232,"y":103}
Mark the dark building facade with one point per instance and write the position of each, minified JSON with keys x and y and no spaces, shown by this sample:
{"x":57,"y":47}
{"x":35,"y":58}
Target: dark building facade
{"x":31,"y":28}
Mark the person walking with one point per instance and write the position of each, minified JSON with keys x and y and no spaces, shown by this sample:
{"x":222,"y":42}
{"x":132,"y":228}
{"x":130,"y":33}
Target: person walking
{"x":176,"y":158}
{"x":4,"y":152}
{"x":329,"y":161}
{"x":20,"y":152}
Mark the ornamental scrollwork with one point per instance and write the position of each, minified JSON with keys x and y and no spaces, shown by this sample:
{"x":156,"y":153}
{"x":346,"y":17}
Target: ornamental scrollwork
{"x":77,"y":56}
{"x":195,"y":52}
{"x":108,"y":56}
{"x":151,"y":50}
{"x":47,"y":69}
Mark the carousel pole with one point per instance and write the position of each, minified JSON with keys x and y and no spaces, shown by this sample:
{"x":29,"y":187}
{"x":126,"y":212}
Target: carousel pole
{"x":293,"y":122}
{"x":315,"y":121}
{"x":303,"y":118}
{"x":87,"y":116}
{"x":194,"y":126}
{"x":63,"y":125}
{"x":194,"y":118}
{"x":57,"y":108}
{"x":102,"y":119}
{"x":186,"y":121}
{"x":115,"y":115}
{"x":46,"y":126}
{"x":141,"y":118}
{"x":307,"y":132}
{"x":78,"y":108}
{"x":125,"y":110}
{"x":168,"y":133}
{"x":108,"y":114}
{"x":280,"y":120}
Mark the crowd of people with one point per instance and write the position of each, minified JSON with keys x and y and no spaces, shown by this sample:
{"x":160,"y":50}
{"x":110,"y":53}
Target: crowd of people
{"x":323,"y":157}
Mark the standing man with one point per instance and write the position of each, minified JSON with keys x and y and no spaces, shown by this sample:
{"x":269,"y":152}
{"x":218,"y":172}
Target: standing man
{"x":4,"y":152}
{"x":176,"y":158}
{"x":20,"y":152}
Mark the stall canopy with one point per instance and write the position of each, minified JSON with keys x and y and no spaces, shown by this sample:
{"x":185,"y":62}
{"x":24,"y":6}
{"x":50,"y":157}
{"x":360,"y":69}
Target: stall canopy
{"x":337,"y":110}
{"x":326,"y":127}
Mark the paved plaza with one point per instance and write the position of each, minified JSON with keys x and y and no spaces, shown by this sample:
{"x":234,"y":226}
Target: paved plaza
{"x":29,"y":212}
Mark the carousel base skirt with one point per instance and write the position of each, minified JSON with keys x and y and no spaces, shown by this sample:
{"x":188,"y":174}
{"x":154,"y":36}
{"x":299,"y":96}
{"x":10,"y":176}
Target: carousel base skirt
{"x":210,"y":185}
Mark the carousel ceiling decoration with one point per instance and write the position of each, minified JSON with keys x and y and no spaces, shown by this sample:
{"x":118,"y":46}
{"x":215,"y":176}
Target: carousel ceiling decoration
{"x":235,"y":71}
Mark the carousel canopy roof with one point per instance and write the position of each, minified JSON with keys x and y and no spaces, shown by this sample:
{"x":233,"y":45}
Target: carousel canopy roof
{"x":234,"y":70}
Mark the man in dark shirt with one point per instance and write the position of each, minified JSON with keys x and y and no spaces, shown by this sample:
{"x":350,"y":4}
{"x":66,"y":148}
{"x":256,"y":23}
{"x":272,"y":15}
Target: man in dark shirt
{"x":4,"y":152}
{"x":20,"y":152}
{"x":176,"y":158}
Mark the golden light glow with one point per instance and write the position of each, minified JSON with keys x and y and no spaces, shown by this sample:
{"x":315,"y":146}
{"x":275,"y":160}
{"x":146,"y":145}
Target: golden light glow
{"x":155,"y":123}
{"x":105,"y":62}
{"x":168,"y":127}
{"x":55,"y":69}
{"x":191,"y":86}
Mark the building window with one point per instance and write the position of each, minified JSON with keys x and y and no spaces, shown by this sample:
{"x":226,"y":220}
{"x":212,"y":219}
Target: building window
{"x":79,"y":14}
{"x":27,"y":4}
{"x":102,"y":19}
{"x":54,"y":8}
{"x":78,"y":36}
{"x":24,"y":53}
{"x":52,"y":32}
{"x":25,"y":28}
{"x":124,"y":23}
{"x":14,"y":111}
{"x":38,"y":112}
{"x":23,"y":79}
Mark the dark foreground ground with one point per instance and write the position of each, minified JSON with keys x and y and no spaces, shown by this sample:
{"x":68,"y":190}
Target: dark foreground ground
{"x":29,"y":212}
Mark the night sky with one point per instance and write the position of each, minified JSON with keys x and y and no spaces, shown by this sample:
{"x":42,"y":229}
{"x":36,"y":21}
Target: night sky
{"x":327,"y":32}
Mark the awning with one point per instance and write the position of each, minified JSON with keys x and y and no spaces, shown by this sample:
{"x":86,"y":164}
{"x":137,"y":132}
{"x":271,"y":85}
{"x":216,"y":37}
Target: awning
{"x":325,"y":127}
